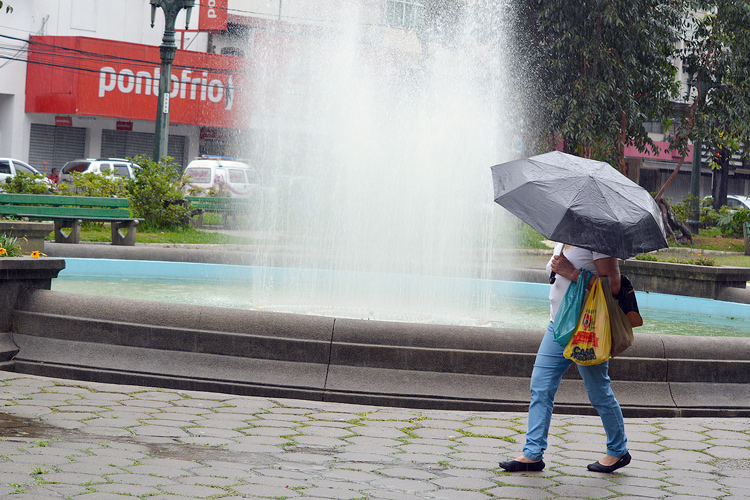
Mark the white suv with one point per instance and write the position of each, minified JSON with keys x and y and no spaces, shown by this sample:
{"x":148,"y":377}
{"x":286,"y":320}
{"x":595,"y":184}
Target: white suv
{"x":111,"y":167}
{"x":9,"y":167}
{"x":219,"y":175}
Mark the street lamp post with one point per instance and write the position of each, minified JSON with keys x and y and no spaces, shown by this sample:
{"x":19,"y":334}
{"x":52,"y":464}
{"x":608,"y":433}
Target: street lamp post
{"x":167,"y":50}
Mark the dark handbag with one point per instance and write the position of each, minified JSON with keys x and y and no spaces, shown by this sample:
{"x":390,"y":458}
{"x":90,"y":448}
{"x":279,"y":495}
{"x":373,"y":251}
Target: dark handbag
{"x":622,"y":330}
{"x":628,"y":304}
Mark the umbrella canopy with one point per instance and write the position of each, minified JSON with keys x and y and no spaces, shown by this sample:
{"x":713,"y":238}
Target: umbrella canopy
{"x":581,"y":202}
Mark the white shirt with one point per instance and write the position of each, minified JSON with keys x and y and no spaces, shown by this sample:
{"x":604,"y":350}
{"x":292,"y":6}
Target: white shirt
{"x":580,"y":258}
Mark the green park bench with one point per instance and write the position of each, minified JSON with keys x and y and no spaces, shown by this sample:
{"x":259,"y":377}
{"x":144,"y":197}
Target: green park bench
{"x":228,"y":208}
{"x":69,"y":212}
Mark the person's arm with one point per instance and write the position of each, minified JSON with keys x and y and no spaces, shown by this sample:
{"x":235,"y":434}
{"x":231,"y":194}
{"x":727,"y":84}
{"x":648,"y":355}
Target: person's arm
{"x":610,"y":268}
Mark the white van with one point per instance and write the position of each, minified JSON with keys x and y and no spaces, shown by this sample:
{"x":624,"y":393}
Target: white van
{"x":217,"y":176}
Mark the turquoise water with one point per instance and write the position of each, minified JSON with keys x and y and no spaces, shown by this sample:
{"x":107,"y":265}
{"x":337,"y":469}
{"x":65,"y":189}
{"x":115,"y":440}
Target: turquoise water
{"x":390,"y":298}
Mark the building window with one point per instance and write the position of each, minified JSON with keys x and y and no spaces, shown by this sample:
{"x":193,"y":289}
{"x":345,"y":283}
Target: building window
{"x":404,"y":13}
{"x":232,"y":51}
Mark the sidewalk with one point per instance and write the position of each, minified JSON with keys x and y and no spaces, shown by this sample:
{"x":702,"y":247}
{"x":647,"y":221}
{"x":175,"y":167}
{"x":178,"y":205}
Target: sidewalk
{"x":68,"y":439}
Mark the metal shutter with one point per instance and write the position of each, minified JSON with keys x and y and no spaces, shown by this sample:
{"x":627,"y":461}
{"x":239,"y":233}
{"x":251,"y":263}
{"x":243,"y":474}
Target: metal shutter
{"x":124,"y":144}
{"x":55,"y":146}
{"x":113,"y":144}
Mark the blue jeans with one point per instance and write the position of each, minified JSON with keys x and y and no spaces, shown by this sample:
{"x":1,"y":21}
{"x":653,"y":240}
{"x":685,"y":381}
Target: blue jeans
{"x":545,"y":379}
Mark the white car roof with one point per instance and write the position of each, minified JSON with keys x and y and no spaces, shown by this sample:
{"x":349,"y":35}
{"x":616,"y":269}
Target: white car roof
{"x":219,"y":163}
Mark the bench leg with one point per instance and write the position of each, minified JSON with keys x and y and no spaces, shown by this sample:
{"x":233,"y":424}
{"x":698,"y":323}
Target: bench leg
{"x":75,"y":231}
{"x":196,"y":219}
{"x":118,"y":237}
{"x":230,"y":220}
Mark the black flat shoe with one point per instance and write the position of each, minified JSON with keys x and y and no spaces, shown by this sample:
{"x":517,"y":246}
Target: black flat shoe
{"x":516,"y":466}
{"x":597,"y":467}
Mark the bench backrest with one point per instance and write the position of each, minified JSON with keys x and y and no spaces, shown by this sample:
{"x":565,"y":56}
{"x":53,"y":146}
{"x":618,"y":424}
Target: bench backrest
{"x":60,"y":206}
{"x":222,"y":203}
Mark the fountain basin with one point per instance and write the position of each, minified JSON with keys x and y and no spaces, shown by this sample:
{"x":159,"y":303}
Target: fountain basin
{"x":685,"y":279}
{"x":129,"y":341}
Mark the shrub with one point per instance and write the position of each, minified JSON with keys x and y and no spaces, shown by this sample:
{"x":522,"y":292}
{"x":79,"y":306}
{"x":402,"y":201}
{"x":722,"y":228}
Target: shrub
{"x":731,"y":222}
{"x":93,"y":184}
{"x":708,"y":216}
{"x":26,"y":183}
{"x":156,"y":194}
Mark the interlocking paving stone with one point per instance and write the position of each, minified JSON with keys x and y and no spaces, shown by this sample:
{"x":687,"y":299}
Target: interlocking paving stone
{"x":701,"y":491}
{"x":193,"y":490}
{"x":439,"y":433}
{"x":458,"y":495}
{"x":683,"y":445}
{"x":127,"y":489}
{"x":323,"y":455}
{"x":266,"y":491}
{"x":638,"y":491}
{"x":367,"y":448}
{"x":520,"y":493}
{"x":403,"y":472}
{"x":207,"y":480}
{"x":463,"y":483}
{"x":729,"y":452}
{"x":428,"y":449}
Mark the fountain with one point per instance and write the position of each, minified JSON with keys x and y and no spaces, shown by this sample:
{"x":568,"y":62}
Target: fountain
{"x":378,"y":160}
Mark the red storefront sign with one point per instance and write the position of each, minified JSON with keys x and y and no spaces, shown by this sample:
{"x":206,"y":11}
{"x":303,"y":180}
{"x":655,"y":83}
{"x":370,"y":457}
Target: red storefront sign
{"x":64,"y":121}
{"x":89,"y":76}
{"x":126,"y":126}
{"x":212,"y":15}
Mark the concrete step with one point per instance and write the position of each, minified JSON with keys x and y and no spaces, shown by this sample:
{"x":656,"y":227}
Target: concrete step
{"x":285,"y":355}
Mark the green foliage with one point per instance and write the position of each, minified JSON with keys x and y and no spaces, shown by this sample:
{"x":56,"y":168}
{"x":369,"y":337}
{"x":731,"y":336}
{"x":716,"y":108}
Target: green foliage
{"x":26,"y":183}
{"x":708,"y":216}
{"x":528,"y":237}
{"x":156,"y":194}
{"x":601,"y":69}
{"x":732,"y":222}
{"x":716,"y":56}
{"x":93,"y":184}
{"x":10,"y":245}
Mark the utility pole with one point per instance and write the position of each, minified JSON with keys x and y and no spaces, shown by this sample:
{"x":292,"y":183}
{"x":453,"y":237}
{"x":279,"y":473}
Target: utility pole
{"x":167,"y":50}
{"x":694,"y":216}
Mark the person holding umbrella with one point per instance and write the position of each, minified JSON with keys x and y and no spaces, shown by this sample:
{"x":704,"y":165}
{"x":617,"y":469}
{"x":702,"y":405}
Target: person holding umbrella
{"x":598,"y":215}
{"x":550,"y":365}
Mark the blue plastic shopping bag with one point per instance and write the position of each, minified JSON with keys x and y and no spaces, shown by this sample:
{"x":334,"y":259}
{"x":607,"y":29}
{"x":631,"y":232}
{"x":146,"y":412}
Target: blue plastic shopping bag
{"x":567,"y":315}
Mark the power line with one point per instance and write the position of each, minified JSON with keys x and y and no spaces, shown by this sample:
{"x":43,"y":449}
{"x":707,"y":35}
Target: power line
{"x":98,"y":57}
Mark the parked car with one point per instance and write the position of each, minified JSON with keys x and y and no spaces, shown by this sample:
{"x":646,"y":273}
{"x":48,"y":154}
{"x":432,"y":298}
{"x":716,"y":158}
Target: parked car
{"x":9,"y":167}
{"x":736,"y":201}
{"x":111,"y":167}
{"x":219,"y":175}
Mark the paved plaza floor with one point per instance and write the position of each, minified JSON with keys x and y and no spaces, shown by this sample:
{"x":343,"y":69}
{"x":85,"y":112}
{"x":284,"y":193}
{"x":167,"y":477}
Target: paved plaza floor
{"x":81,"y":440}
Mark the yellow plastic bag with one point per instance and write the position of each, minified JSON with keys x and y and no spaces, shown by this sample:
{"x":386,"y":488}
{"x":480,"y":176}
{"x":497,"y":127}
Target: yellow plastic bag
{"x":591,"y":342}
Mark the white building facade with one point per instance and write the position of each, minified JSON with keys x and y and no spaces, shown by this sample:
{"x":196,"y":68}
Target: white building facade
{"x":79,"y":78}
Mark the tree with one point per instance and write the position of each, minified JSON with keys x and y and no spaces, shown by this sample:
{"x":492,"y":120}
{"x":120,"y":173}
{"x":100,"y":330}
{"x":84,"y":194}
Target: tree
{"x":8,"y":8}
{"x":717,"y":55}
{"x":603,"y":69}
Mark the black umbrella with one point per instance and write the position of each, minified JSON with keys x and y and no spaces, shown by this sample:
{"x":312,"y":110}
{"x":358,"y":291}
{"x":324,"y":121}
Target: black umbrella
{"x":581,"y":202}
